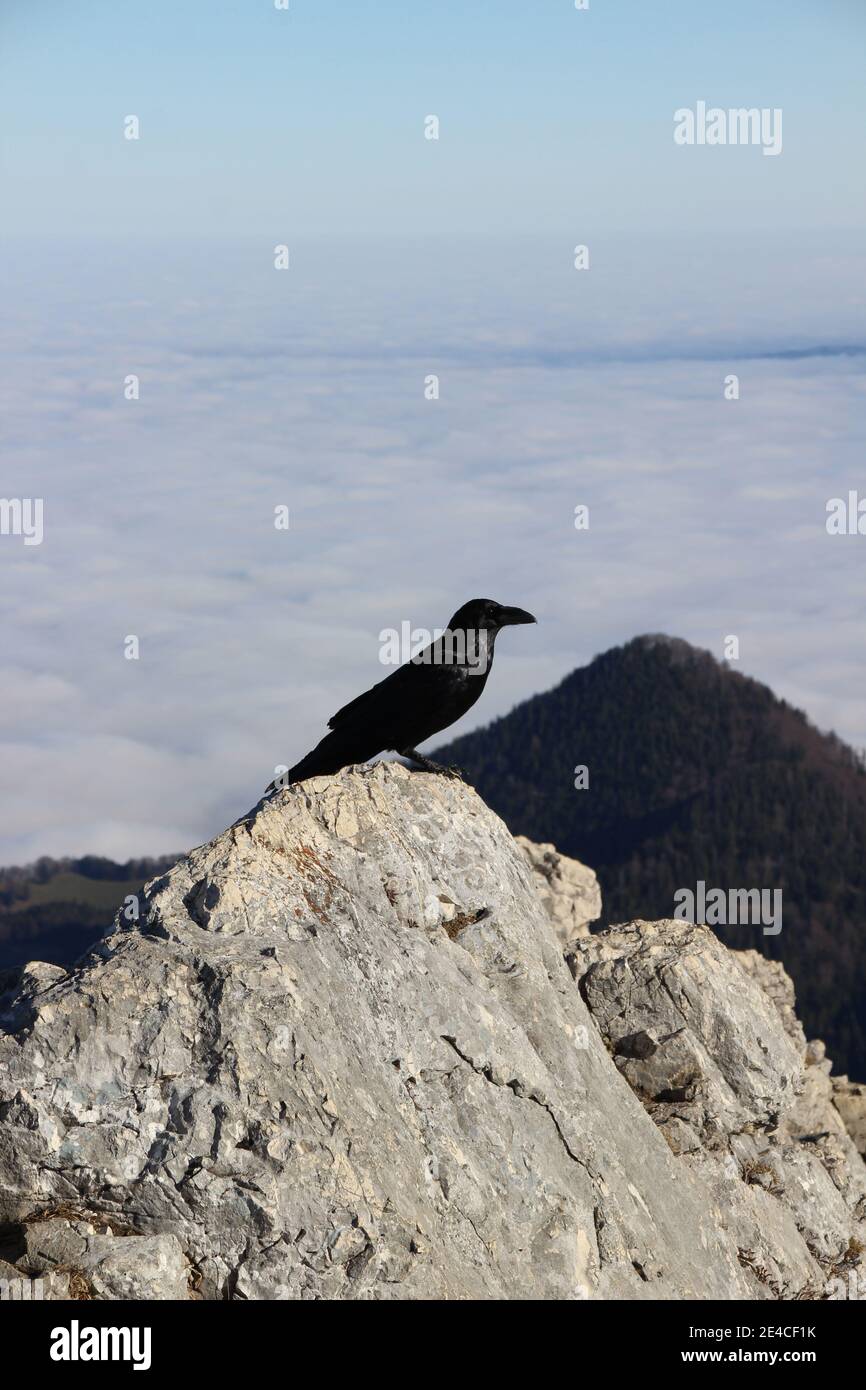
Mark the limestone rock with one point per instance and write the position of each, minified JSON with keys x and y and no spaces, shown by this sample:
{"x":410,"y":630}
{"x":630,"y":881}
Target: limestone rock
{"x":777,"y":984}
{"x":708,"y":1040}
{"x":569,"y":890}
{"x":108,"y":1264}
{"x":849,"y":1099}
{"x":341,"y":1055}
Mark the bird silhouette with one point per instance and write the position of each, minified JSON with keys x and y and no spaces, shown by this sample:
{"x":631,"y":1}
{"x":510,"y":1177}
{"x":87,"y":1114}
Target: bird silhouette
{"x":416,"y":701}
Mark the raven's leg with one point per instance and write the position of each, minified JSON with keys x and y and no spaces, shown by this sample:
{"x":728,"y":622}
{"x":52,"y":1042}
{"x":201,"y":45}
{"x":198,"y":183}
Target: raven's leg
{"x":428,"y":765}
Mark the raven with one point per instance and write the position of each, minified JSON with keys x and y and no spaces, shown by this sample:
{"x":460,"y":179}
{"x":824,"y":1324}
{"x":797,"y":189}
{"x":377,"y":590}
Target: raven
{"x":428,"y":693}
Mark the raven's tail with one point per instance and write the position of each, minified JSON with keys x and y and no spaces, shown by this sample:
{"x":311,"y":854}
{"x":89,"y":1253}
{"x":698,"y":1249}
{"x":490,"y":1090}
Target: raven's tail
{"x":337,"y":749}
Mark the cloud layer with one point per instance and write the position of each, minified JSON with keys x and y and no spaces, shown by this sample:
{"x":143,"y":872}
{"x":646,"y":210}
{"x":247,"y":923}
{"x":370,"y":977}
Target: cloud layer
{"x":306,"y":388}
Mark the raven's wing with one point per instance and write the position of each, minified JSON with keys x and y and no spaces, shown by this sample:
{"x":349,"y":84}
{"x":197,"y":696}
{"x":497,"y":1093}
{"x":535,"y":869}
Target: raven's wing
{"x":381,"y":699}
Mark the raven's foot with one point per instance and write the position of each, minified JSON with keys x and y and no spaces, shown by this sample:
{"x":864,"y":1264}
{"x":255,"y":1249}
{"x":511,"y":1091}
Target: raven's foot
{"x":428,"y":765}
{"x":452,"y":771}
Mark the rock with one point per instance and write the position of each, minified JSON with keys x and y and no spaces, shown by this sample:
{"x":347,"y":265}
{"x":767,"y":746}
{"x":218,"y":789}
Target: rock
{"x":827,"y":1102}
{"x":849,"y":1099}
{"x":23,"y":985}
{"x":708,"y":1040}
{"x":569,"y":890}
{"x":690,"y":1035}
{"x":136,"y":1267}
{"x":777,"y":984}
{"x":341,"y":1055}
{"x":108,"y":1264}
{"x":9,"y":1272}
{"x":55,"y":1241}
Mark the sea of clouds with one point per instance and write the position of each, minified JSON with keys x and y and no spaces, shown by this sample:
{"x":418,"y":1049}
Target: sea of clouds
{"x":305,"y":388}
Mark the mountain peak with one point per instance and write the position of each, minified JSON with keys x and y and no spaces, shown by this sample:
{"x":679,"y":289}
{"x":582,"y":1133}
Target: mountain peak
{"x":662,"y":767}
{"x":341,"y":1055}
{"x":678,"y":647}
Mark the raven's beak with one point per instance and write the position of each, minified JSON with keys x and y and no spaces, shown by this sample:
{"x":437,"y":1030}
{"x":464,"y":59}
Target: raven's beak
{"x":510,"y":616}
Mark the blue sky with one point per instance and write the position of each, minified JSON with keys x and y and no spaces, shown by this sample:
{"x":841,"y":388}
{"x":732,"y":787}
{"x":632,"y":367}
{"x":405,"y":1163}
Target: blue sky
{"x":305,"y":388}
{"x":553,"y":120}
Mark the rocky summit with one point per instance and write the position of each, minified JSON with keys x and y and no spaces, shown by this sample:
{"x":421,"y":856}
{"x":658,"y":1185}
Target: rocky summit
{"x":363,"y":1046}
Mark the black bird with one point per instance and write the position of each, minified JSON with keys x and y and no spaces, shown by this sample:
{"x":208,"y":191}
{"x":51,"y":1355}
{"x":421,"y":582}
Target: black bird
{"x":418,"y":699}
